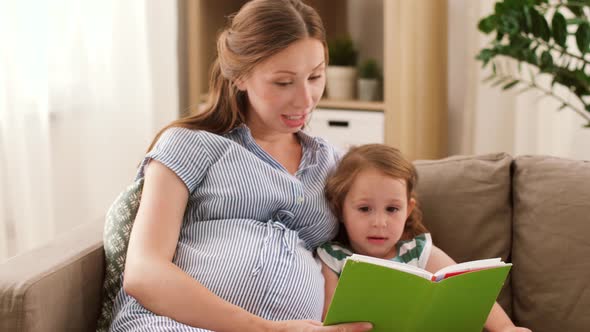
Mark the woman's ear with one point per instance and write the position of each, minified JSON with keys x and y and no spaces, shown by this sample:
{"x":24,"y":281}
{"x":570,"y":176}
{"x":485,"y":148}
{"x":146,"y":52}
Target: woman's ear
{"x":411,"y":206}
{"x":240,"y":84}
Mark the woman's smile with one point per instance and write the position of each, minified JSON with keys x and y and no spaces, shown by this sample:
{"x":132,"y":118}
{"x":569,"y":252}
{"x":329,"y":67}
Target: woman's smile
{"x":294,"y":120}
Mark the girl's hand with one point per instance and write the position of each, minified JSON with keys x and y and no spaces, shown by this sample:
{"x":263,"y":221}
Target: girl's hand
{"x":315,"y":326}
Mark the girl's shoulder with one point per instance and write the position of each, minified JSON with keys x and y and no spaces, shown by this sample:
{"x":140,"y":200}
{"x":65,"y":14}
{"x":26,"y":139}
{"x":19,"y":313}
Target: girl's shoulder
{"x":334,"y":254}
{"x":418,"y":239}
{"x":415,"y":251}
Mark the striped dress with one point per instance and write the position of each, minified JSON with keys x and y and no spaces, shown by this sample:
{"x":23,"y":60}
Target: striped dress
{"x":250,"y":227}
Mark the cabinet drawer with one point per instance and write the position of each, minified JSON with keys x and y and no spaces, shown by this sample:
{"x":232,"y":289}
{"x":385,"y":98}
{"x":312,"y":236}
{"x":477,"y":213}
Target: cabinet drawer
{"x":346,"y":128}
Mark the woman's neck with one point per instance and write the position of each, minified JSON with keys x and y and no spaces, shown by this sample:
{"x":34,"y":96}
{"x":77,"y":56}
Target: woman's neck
{"x":264,"y":137}
{"x":285,"y":148}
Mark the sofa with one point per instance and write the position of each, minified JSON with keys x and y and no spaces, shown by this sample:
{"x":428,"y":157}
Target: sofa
{"x":533,"y":211}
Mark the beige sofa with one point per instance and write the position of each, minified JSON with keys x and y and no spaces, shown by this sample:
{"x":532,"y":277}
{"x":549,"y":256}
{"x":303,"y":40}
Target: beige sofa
{"x":533,"y":211}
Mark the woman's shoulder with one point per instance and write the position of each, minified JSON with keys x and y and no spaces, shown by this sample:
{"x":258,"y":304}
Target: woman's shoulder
{"x":180,"y":137}
{"x":183,"y":132}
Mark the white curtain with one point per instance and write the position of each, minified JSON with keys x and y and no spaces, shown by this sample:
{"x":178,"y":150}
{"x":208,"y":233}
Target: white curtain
{"x":484,"y":119}
{"x":84,"y":86}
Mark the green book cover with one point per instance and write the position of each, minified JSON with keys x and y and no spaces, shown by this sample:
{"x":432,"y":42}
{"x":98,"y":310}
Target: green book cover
{"x":406,"y":301}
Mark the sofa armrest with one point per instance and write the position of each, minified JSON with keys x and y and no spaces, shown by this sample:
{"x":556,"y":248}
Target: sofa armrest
{"x":56,"y":287}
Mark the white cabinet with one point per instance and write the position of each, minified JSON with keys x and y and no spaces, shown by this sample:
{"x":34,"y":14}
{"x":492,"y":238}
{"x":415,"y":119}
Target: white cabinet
{"x":346,"y":128}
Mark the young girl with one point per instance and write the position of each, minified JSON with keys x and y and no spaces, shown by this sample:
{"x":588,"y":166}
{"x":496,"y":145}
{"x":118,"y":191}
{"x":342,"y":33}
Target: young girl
{"x":372,"y":193}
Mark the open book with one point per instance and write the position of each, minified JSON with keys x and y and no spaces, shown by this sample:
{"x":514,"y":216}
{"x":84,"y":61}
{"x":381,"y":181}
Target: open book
{"x":399,"y":297}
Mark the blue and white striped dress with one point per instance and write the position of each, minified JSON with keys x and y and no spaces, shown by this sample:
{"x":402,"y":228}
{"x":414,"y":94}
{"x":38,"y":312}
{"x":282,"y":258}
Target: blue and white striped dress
{"x":250,"y":227}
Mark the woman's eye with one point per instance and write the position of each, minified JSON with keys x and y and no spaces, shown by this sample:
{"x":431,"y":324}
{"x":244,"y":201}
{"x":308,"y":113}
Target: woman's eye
{"x":364,"y":209}
{"x":392,"y":209}
{"x":283,"y":83}
{"x":313,"y":78}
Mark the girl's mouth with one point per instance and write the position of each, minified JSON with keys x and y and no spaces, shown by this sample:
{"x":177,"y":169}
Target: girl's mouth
{"x":376,"y":239}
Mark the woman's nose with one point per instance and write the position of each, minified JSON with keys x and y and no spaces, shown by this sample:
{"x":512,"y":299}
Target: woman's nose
{"x":304,"y":97}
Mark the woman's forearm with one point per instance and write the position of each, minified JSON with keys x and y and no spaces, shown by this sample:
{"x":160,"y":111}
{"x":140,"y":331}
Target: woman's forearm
{"x":163,"y":288}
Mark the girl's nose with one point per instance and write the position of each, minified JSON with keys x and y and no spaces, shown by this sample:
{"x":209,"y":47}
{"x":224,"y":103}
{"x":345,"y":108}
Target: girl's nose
{"x":380,"y":220}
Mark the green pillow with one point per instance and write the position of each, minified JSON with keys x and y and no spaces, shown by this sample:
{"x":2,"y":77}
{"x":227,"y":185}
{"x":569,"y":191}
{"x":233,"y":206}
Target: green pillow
{"x":117,"y":228}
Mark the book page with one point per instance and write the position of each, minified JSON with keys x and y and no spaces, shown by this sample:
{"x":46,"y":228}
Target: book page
{"x":392,"y":265}
{"x":460,"y":268}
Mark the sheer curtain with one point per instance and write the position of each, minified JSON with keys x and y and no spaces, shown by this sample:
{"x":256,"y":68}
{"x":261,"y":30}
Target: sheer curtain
{"x":485,"y":119}
{"x":84,"y":86}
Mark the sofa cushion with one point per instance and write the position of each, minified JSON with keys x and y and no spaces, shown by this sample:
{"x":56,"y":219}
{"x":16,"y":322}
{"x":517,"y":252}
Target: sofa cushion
{"x":551,"y":245}
{"x":117,"y":229}
{"x":466,"y":205}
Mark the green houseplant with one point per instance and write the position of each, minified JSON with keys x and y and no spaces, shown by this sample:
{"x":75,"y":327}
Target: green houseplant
{"x":369,"y":69}
{"x":368,"y":83}
{"x":342,"y":52}
{"x":341,"y":72}
{"x":524,"y":32}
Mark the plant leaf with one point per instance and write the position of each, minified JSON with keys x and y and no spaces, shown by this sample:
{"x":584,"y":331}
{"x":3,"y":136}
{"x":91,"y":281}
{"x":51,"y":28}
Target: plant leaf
{"x":487,"y":24}
{"x":576,"y":20}
{"x":540,"y":26}
{"x":583,"y":37}
{"x":578,"y":11}
{"x":489,"y":78}
{"x":510,"y":85}
{"x":501,"y":81}
{"x":527,"y":19}
{"x":508,"y":24}
{"x":546,"y":61}
{"x":486,"y":55}
{"x":559,"y":28}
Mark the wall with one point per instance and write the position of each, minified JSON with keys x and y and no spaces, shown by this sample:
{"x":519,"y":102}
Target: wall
{"x":367,"y":28}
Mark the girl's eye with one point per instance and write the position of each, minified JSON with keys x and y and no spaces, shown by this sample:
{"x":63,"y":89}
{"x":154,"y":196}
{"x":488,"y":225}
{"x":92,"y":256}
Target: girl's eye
{"x":392,"y":209}
{"x":283,"y":83}
{"x":313,"y":78}
{"x":364,"y":209}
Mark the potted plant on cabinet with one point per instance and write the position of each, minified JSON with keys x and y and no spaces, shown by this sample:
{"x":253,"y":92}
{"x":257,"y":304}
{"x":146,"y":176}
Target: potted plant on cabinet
{"x":368,"y":83}
{"x":341,"y":72}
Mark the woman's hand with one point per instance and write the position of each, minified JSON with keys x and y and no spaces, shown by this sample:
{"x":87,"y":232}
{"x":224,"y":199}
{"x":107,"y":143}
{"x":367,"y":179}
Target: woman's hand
{"x":315,"y":326}
{"x":516,"y":329}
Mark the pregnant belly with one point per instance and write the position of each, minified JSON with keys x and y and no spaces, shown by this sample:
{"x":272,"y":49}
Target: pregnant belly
{"x":263,"y":269}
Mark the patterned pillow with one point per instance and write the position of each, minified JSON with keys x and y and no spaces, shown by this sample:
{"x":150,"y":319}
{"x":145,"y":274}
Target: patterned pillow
{"x":117,"y":228}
